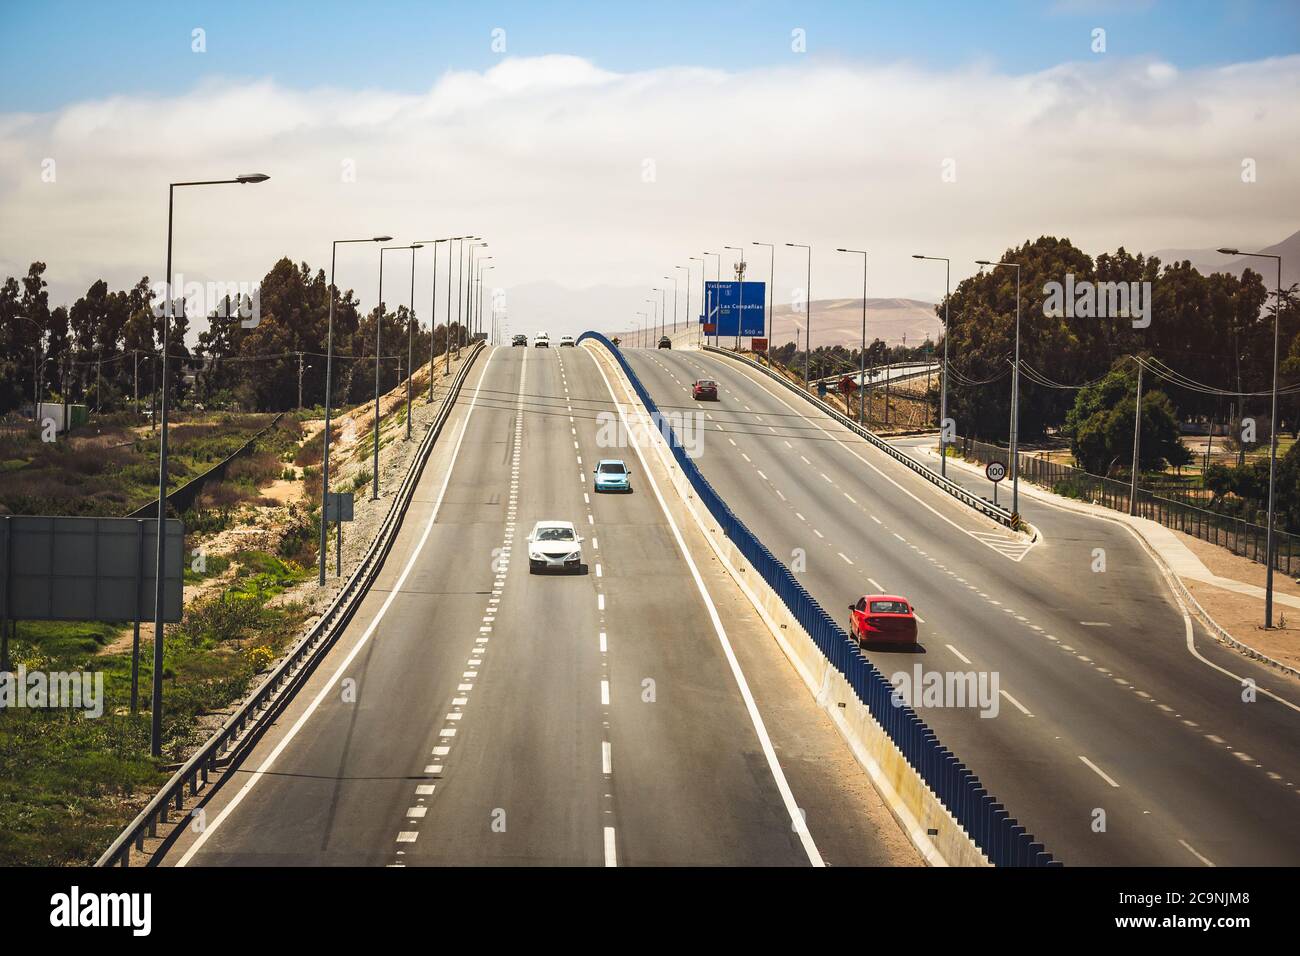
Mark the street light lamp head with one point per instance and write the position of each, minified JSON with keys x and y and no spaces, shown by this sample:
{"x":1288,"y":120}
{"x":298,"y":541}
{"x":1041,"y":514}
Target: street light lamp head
{"x":1230,"y":252}
{"x":382,"y":239}
{"x":983,"y":262}
{"x":252,"y":178}
{"x":417,"y":245}
{"x":915,"y":256}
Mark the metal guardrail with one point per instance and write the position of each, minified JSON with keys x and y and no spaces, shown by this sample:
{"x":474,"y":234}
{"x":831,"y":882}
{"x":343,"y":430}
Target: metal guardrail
{"x":280,"y":686}
{"x":988,"y":823}
{"x":1241,"y":537}
{"x":987,"y":508}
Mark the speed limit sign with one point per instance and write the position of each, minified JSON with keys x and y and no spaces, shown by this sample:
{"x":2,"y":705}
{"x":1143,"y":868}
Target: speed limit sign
{"x":995,"y":471}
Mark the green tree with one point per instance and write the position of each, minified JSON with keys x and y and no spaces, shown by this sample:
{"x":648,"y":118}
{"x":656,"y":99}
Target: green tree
{"x":1100,"y":425}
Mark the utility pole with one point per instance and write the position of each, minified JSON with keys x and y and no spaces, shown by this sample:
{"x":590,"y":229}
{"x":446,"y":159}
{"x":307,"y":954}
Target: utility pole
{"x":299,"y":381}
{"x":135,"y":354}
{"x":1137,"y":440}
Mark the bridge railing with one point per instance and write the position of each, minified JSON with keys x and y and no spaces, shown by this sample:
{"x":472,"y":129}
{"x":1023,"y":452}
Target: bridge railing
{"x":1000,"y":515}
{"x":977,"y":811}
{"x":259,"y":708}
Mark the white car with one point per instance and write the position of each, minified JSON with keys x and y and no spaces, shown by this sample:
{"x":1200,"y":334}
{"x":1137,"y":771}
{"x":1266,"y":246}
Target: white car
{"x":566,"y":340}
{"x":554,"y":546}
{"x":542,"y":340}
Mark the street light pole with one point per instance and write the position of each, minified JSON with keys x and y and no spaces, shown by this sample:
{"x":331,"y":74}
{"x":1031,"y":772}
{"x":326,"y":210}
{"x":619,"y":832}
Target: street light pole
{"x":771,"y":289}
{"x":704,"y":298}
{"x":862,"y":359}
{"x":807,"y":315}
{"x":689,"y":314}
{"x":410,"y":342}
{"x":943,"y":383}
{"x":482,"y":269}
{"x":469,"y":290}
{"x":447,"y":363}
{"x":155,"y":733}
{"x":379,"y":325}
{"x":672,"y":279}
{"x":1015,"y":397}
{"x":1272,"y":432}
{"x":433,"y":302}
{"x":740,"y":284}
{"x":329,"y":379}
{"x":478,"y":293}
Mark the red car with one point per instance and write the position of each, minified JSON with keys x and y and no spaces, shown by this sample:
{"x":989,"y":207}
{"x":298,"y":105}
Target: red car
{"x":882,"y":619}
{"x":705,"y":389}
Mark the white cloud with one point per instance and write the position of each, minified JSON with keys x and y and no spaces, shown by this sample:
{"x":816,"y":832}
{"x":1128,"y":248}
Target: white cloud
{"x":545,"y":157}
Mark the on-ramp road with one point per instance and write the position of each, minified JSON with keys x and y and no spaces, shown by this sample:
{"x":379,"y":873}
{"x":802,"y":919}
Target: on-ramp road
{"x":1123,"y":734}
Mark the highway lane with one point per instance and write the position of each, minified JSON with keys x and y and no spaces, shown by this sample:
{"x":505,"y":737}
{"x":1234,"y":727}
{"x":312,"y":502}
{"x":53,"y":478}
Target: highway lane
{"x":1099,"y":661}
{"x":476,"y":714}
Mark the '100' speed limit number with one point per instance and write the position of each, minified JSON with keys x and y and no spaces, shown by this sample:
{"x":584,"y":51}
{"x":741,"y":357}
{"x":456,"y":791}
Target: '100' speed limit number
{"x":995,"y":471}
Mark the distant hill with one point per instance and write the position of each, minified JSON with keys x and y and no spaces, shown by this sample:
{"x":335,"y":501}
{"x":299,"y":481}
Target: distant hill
{"x":839,"y":322}
{"x":1209,"y":260}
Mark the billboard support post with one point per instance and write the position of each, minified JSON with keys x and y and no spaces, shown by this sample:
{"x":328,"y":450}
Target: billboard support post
{"x":139,"y":606}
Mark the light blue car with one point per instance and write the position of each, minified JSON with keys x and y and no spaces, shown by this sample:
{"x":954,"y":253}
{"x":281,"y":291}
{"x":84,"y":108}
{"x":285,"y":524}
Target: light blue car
{"x":612,"y":475}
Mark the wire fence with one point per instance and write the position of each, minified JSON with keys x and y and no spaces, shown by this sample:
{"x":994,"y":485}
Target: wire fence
{"x":1238,"y":535}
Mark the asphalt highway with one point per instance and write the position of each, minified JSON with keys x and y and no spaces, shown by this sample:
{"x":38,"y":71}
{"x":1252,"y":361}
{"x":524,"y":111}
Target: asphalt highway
{"x":1122,"y":735}
{"x":475,"y":714}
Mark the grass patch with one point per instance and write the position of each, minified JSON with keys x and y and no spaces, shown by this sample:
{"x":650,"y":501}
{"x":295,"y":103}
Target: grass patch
{"x":106,"y":469}
{"x":69,"y":783}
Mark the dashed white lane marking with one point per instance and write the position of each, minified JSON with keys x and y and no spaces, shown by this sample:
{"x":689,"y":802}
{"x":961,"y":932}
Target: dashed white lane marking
{"x":328,"y":689}
{"x":960,"y":656}
{"x":847,"y":559}
{"x":797,"y":820}
{"x":1097,"y":770}
{"x":1192,"y":850}
{"x":876,"y":584}
{"x":604,"y":643}
{"x":1020,"y":707}
{"x":604,"y":693}
{"x":606,"y":757}
{"x":611,"y":857}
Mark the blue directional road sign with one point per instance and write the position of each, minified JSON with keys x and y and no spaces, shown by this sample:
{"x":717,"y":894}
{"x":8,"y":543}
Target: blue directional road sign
{"x":723,"y":304}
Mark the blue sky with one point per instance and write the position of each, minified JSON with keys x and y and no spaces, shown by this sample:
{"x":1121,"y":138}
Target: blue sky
{"x":61,"y":51}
